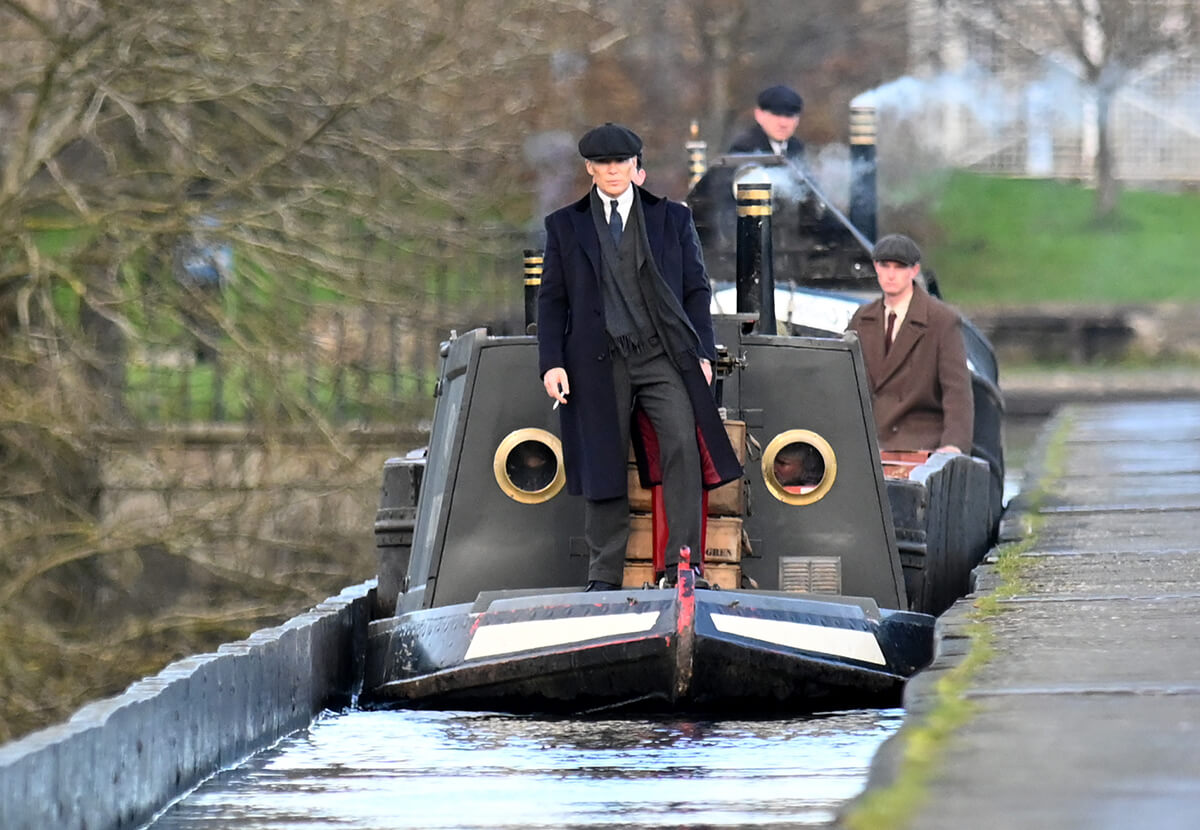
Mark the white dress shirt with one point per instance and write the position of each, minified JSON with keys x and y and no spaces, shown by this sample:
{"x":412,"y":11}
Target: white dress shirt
{"x":624,"y":205}
{"x":901,"y":311}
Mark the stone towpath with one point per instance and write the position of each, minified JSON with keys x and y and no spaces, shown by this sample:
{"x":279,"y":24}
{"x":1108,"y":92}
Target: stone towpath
{"x":1087,"y":712}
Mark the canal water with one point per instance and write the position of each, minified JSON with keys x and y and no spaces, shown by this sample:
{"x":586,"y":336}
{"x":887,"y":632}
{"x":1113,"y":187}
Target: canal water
{"x":376,"y":770}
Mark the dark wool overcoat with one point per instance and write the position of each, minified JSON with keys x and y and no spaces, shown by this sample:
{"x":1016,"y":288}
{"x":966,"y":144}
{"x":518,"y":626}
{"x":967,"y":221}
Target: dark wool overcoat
{"x":921,"y":390}
{"x":572,"y":334}
{"x":754,"y":140}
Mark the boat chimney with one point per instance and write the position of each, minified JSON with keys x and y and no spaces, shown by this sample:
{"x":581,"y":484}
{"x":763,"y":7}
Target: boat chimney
{"x":755,"y":273}
{"x":533,"y":281}
{"x":697,"y":155}
{"x":863,"y":200}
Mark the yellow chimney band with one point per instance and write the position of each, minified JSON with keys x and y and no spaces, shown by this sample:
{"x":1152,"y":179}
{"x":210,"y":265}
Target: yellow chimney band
{"x":753,"y":195}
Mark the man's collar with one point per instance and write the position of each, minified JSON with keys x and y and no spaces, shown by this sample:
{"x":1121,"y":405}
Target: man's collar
{"x":900,"y":308}
{"x":624,"y":198}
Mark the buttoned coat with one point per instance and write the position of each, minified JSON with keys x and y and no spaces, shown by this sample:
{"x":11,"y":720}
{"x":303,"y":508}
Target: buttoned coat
{"x":921,"y":389}
{"x":572,"y":334}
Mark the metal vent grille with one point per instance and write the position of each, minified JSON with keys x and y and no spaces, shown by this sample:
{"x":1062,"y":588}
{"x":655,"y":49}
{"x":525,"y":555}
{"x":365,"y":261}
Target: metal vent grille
{"x":810,"y":574}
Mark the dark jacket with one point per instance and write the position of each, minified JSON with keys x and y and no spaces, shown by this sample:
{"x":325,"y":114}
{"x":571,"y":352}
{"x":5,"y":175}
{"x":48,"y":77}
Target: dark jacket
{"x":921,"y":391}
{"x":572,"y":334}
{"x":754,"y":140}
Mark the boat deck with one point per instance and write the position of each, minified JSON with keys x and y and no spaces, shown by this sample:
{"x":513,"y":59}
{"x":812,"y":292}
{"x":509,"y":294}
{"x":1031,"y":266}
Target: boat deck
{"x":1087,"y":713}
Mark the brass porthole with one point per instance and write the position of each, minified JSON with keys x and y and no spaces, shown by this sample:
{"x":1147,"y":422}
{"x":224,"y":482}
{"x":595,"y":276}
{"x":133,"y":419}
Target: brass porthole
{"x":799,"y":467}
{"x":528,"y":466}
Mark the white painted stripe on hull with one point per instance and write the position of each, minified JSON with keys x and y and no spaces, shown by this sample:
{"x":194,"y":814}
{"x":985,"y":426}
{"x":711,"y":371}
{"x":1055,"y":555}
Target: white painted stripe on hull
{"x":840,"y":642}
{"x":528,"y":635}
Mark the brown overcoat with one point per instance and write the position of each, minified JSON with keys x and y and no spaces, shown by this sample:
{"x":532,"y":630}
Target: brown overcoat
{"x":921,"y":390}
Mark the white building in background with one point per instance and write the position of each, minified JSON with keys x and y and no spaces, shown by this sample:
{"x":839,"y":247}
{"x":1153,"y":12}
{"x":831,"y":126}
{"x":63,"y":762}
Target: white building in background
{"x":1007,"y":97}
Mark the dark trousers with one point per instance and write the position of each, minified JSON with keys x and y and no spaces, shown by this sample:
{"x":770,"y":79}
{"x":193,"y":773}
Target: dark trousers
{"x":650,"y":378}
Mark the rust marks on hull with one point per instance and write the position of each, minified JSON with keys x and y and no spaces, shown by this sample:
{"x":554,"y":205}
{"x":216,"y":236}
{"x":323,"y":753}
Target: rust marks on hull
{"x":685,"y":630}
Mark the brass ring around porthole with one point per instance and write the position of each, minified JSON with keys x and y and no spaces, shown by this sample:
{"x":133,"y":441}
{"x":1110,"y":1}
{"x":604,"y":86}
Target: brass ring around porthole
{"x":528,"y":466}
{"x":799,"y":467}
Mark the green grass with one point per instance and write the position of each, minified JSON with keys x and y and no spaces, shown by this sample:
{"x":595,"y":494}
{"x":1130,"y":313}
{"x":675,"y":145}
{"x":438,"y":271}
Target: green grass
{"x":1014,"y":241}
{"x":167,"y":394}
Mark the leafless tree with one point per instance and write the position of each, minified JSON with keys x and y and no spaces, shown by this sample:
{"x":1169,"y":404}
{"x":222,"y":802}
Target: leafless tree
{"x":368,"y":150}
{"x":1110,"y":41}
{"x":350,"y":148}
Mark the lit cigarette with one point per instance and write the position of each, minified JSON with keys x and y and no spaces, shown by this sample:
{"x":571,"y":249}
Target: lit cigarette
{"x":554,"y":407}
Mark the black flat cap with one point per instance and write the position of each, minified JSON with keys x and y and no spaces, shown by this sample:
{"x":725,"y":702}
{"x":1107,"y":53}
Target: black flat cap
{"x":781,"y":100}
{"x":896,"y":247}
{"x":609,"y":142}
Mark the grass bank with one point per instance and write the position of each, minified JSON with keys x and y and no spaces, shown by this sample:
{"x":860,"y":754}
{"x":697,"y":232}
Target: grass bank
{"x":1031,"y":242}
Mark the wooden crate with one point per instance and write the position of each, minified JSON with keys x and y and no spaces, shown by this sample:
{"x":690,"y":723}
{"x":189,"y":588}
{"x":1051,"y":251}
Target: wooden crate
{"x":637,"y":574}
{"x":727,"y":500}
{"x":641,"y":538}
{"x":722,"y":539}
{"x":736,"y":430}
{"x":724,"y":576}
{"x":639,"y":496}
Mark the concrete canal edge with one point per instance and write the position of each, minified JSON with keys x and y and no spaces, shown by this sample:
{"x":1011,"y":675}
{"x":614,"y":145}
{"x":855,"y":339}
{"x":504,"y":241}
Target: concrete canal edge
{"x":117,"y":762}
{"x":935,"y":699}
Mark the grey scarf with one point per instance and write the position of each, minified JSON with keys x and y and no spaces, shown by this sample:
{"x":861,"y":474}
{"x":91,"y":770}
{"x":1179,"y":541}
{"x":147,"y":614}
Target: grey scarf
{"x":626,"y":317}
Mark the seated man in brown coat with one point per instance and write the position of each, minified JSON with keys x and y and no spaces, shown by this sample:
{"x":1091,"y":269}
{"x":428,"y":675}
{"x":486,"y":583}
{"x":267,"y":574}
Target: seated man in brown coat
{"x":916,"y":362}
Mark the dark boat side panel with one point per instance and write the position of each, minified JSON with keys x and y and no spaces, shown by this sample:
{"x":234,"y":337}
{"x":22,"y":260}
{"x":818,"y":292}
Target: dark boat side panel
{"x":471,"y":536}
{"x":819,"y":385}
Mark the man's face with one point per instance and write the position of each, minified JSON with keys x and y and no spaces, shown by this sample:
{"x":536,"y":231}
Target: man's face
{"x":612,"y":177}
{"x":777,"y":127}
{"x":896,"y":278}
{"x":788,"y":470}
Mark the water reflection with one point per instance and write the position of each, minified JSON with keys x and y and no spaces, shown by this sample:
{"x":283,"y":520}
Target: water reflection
{"x":1020,"y":434}
{"x":377,"y":770}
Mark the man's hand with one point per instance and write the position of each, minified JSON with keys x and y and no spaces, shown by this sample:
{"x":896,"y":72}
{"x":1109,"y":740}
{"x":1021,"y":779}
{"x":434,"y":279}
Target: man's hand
{"x":950,"y":448}
{"x":556,"y":384}
{"x":706,"y":367}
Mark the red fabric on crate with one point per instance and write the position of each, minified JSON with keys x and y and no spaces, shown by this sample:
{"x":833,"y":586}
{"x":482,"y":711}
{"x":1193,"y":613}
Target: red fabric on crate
{"x":658,"y":531}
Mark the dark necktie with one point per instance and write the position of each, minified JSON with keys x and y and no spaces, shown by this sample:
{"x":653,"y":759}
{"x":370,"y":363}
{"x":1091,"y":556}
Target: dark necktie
{"x":887,"y":335}
{"x":614,"y":223}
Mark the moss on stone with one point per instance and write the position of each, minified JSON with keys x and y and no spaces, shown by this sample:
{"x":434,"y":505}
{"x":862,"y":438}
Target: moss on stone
{"x":926,"y":739}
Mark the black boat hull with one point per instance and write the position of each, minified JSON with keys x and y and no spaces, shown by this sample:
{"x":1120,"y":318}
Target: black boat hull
{"x":671,"y":649}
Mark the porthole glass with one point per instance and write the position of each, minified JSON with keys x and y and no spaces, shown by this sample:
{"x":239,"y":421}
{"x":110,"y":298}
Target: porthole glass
{"x":528,"y":466}
{"x":799,"y":467}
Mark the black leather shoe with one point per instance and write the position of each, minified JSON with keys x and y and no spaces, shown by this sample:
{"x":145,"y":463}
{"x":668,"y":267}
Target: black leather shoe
{"x":601,"y":585}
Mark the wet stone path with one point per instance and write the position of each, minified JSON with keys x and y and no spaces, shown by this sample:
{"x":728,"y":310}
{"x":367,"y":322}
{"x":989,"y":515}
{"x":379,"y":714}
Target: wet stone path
{"x":1088,"y":713}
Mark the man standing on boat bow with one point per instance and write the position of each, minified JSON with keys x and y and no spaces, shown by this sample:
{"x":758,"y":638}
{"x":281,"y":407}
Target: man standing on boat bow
{"x":624,"y":328}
